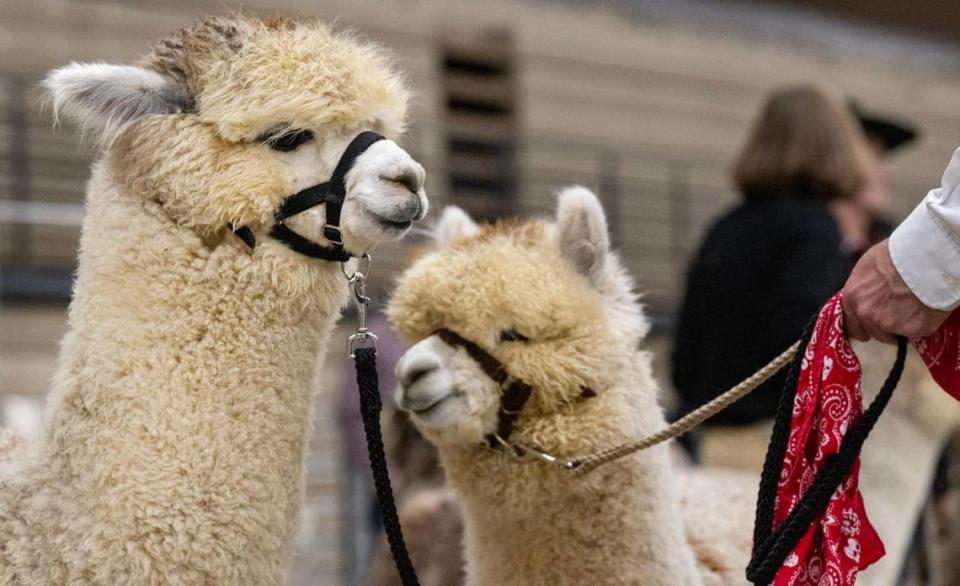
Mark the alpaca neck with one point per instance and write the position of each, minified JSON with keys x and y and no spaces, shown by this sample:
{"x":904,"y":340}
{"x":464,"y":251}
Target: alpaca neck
{"x":533,"y":523}
{"x":181,"y":408}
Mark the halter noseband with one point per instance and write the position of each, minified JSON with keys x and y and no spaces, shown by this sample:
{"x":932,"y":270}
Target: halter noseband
{"x":332,"y":193}
{"x":514,"y":393}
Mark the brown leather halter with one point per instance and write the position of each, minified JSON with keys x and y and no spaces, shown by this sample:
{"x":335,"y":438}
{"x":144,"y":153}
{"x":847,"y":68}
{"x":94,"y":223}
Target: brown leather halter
{"x":514,"y":392}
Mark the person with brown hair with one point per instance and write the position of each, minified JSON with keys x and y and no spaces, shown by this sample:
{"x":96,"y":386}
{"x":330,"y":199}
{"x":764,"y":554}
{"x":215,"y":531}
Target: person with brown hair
{"x":770,"y":263}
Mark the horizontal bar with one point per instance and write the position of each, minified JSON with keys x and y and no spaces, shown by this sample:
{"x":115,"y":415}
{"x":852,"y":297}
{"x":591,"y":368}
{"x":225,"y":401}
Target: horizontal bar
{"x":44,"y":213}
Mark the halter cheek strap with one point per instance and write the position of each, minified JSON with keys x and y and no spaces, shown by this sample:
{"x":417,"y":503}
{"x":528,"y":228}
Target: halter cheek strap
{"x":332,"y":193}
{"x":515,"y":392}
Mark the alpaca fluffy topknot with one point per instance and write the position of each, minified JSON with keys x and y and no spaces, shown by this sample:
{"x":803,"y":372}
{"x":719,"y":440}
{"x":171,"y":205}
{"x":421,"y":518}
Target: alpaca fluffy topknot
{"x":240,"y":72}
{"x":513,"y":276}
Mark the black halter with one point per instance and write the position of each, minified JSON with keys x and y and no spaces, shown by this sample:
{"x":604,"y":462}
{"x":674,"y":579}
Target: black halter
{"x":332,"y":193}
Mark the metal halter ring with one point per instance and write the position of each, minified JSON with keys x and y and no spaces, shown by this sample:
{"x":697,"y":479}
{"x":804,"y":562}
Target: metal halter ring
{"x":362,"y":339}
{"x":363,"y":268}
{"x":523,"y":453}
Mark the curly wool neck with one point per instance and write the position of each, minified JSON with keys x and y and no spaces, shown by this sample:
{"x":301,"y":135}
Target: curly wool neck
{"x":179,"y":415}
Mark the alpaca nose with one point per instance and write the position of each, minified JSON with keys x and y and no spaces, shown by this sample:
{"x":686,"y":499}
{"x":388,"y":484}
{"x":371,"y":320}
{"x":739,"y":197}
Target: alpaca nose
{"x":408,"y":177}
{"x":416,"y":369}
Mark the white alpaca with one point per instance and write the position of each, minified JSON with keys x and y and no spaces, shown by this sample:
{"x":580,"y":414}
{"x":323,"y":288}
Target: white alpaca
{"x":172,"y":450}
{"x":550,"y":302}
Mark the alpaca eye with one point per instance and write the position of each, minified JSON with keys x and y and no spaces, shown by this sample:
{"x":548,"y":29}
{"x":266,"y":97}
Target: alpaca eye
{"x":289,"y":140}
{"x":512,"y":336}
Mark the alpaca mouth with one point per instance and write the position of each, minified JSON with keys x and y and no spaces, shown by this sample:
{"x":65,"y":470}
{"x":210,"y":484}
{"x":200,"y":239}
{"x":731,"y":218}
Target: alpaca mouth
{"x":427,"y":409}
{"x":397,"y":217}
{"x":390,"y":224}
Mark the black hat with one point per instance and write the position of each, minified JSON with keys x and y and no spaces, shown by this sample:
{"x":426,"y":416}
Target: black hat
{"x":891,"y":133}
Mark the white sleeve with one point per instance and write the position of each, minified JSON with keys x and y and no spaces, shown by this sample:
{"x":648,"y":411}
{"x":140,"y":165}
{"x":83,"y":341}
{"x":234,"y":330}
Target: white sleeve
{"x":925,"y":248}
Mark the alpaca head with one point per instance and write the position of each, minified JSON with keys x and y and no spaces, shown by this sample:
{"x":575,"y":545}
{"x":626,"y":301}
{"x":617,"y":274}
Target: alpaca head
{"x":223,"y":120}
{"x":547,"y":299}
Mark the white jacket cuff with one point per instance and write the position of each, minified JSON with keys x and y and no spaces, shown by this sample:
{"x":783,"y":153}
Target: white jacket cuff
{"x":927,"y":257}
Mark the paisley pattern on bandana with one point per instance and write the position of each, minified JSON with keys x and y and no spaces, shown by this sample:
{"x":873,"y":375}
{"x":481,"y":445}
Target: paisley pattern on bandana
{"x":941,"y":353}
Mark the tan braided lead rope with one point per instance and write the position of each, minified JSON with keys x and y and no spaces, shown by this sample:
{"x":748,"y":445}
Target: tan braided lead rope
{"x":584,"y":464}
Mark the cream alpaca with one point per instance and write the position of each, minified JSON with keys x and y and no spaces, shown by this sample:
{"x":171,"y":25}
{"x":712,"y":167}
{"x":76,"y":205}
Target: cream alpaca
{"x":552,"y":303}
{"x":174,"y":441}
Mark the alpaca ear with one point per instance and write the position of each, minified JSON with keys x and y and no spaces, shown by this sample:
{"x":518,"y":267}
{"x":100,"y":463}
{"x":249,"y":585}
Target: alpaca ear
{"x":582,"y":231}
{"x":454,"y":225}
{"x":100,"y":98}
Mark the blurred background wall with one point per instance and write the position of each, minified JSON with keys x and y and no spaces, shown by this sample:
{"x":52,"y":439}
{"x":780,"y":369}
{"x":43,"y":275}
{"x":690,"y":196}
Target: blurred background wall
{"x":645,"y":101}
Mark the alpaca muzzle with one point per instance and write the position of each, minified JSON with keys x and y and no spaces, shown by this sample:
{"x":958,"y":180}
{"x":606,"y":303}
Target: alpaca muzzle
{"x":331,"y":193}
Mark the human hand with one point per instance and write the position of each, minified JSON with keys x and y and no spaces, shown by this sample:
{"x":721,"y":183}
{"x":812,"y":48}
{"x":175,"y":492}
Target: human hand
{"x":878,"y":304}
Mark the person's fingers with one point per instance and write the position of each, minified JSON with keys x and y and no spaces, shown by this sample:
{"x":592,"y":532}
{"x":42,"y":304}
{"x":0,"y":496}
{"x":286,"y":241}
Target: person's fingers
{"x":880,"y":335}
{"x":854,"y":327}
{"x":878,"y":330}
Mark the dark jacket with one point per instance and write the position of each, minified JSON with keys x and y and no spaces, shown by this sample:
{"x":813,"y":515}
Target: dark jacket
{"x":764,"y":269}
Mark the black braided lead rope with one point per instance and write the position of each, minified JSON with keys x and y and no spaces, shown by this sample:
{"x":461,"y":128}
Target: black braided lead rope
{"x":370,"y":405}
{"x":771,"y":547}
{"x":777,"y":449}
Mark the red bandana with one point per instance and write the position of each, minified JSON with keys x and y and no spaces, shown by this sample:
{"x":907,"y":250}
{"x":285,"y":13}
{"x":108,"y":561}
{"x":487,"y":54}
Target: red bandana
{"x":840,"y":542}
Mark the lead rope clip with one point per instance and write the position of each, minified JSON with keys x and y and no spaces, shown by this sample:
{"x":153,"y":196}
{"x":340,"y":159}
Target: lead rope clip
{"x":362,"y":338}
